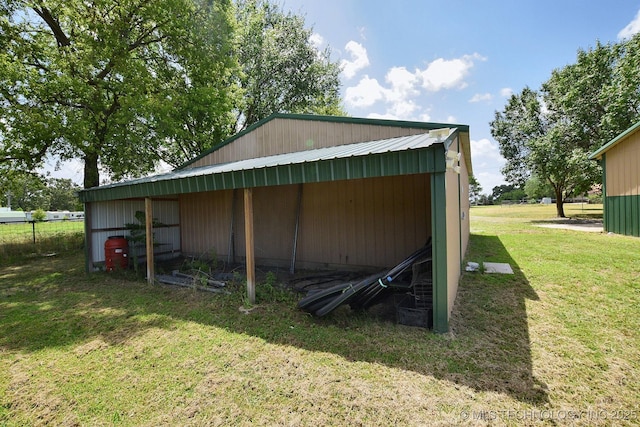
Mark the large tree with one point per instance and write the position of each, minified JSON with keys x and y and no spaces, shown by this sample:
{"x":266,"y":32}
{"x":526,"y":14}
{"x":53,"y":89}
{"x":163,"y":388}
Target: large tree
{"x":282,"y":70}
{"x":123,"y":85}
{"x":536,"y":142}
{"x":118,"y":84}
{"x":550,"y":133}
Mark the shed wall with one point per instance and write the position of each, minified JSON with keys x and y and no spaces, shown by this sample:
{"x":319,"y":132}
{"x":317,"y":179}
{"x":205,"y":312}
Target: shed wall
{"x":366,"y":222}
{"x":373,"y":222}
{"x":622,"y":192}
{"x":453,"y":236}
{"x":111,"y":219}
{"x":465,"y":206}
{"x":206,"y":223}
{"x":280,"y":136}
{"x":457,"y":220}
{"x":623,"y":167}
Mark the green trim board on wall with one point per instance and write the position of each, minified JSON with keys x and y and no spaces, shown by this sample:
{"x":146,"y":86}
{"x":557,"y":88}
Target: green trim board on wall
{"x":439,"y":242}
{"x":622,"y":215}
{"x":388,"y":157}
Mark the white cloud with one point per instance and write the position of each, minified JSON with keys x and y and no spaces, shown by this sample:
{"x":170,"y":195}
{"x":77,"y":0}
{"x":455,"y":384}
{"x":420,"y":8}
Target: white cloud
{"x":448,"y":73}
{"x":399,"y":92}
{"x":487,"y":151}
{"x":632,"y":28}
{"x":402,"y":83}
{"x":386,"y":116}
{"x":487,"y":162}
{"x":403,"y":109}
{"x":424,"y":117}
{"x":366,"y":93}
{"x":359,"y":59}
{"x":488,"y":180}
{"x":506,"y":92}
{"x":317,"y":41}
{"x":478,"y":97}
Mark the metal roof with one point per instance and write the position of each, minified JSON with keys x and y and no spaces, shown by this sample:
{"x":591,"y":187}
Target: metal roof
{"x":331,"y":119}
{"x":386,"y":157}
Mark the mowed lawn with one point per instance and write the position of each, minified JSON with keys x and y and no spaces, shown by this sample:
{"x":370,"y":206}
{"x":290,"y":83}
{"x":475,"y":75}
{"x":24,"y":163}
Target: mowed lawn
{"x":556,"y":343}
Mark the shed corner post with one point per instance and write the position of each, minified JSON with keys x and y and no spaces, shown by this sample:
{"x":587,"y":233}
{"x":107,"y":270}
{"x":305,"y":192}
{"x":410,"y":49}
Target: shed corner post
{"x":439,"y":242}
{"x":149,"y":238}
{"x":88,"y":238}
{"x":249,"y":245}
{"x":605,"y":216}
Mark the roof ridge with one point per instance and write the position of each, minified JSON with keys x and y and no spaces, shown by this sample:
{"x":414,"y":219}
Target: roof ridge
{"x":329,"y":119}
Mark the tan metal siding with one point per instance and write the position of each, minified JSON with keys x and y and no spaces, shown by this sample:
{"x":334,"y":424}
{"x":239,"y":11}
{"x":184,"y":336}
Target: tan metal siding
{"x":453,"y":237}
{"x":281,"y":136}
{"x":623,"y":167}
{"x":366,"y":222}
{"x":274,"y":217}
{"x":465,"y":205}
{"x":206,"y":223}
{"x":372,"y":222}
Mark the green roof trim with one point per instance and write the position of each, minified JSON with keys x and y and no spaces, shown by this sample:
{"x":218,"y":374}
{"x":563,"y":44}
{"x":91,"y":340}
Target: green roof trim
{"x":388,"y":157}
{"x":328,"y":119}
{"x":615,"y":141}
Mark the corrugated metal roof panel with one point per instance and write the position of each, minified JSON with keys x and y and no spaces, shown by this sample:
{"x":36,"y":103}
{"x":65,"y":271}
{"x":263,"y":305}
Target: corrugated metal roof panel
{"x":394,"y":156}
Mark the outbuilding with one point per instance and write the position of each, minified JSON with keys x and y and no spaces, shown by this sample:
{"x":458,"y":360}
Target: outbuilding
{"x":306,"y":191}
{"x":620,"y":160}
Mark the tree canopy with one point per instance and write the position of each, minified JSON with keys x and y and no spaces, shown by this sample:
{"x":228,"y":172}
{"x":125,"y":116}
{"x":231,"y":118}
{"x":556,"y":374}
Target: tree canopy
{"x":282,"y":71}
{"x":29,"y":191}
{"x":551,"y":132}
{"x":123,"y":85}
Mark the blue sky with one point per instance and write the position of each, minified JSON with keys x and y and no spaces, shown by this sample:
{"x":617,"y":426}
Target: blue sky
{"x":457,"y":61}
{"x":451,"y":61}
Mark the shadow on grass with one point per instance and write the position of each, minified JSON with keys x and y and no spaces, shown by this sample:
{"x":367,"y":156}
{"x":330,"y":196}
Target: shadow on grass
{"x":490,"y":317}
{"x":52,"y":303}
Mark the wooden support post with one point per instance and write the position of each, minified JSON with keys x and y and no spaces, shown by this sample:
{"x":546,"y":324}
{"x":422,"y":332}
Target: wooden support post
{"x":248,"y":233}
{"x":148,"y":217}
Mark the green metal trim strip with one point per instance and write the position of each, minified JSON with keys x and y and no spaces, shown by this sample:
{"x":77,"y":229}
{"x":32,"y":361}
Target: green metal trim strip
{"x":328,"y":119}
{"x":622,"y":215}
{"x":439,"y":253}
{"x":603,"y":163}
{"x":373,"y":165}
{"x":87,"y":233}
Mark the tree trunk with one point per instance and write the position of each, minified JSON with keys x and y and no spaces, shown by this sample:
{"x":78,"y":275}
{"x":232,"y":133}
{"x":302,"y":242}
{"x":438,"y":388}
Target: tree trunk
{"x":91,"y":173}
{"x":559,"y":204}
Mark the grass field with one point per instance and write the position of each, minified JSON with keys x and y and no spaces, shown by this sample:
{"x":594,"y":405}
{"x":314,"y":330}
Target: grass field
{"x":20,"y":239}
{"x":556,"y":343}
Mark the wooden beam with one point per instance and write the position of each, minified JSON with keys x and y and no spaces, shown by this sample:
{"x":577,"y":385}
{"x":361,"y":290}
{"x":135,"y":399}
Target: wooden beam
{"x":248,"y":233}
{"x":148,"y":218}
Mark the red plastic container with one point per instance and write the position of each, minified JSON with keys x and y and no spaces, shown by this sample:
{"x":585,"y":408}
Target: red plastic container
{"x":116,"y":253}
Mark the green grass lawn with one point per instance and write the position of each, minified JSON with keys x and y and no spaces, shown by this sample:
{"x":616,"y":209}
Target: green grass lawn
{"x":557,"y":343}
{"x":20,"y":239}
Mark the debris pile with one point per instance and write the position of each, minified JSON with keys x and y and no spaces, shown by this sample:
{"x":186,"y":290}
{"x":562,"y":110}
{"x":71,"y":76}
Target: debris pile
{"x":200,"y":281}
{"x":365,"y":292}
